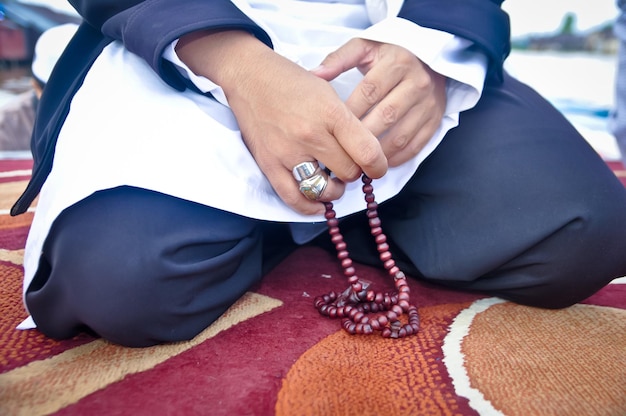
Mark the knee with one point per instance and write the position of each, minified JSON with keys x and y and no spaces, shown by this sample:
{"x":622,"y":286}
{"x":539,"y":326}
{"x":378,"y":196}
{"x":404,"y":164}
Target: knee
{"x":148,"y":280}
{"x":570,"y":265}
{"x":148,"y":301}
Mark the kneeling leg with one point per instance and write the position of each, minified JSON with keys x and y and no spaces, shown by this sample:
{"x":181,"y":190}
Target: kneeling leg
{"x":140,"y":268}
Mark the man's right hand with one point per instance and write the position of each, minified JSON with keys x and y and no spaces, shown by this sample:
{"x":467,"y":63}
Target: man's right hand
{"x":286,"y":114}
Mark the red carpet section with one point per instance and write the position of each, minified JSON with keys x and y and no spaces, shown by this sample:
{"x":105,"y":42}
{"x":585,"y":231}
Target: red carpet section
{"x":273,"y":354}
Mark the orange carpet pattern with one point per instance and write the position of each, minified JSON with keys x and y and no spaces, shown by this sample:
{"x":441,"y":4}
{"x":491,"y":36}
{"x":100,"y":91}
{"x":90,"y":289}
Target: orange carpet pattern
{"x":589,"y":342}
{"x":273,"y":354}
{"x":369,"y":371}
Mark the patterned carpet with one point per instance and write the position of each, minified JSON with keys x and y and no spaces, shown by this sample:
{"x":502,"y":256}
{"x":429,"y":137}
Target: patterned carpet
{"x":273,"y":354}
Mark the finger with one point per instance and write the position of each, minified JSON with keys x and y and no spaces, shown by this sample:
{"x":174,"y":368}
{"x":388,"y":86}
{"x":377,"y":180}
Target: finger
{"x":391,"y":109}
{"x":360,"y":144}
{"x":375,"y":85}
{"x":409,"y":136}
{"x":412,"y":149}
{"x":334,"y":189}
{"x":352,"y":54}
{"x":288,"y":188}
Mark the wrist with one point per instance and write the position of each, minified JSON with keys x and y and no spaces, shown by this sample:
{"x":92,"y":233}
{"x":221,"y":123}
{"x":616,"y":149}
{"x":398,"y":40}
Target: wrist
{"x":219,"y":55}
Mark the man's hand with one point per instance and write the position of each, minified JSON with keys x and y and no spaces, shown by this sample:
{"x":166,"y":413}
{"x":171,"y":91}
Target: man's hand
{"x":286,"y":114}
{"x":400,"y":99}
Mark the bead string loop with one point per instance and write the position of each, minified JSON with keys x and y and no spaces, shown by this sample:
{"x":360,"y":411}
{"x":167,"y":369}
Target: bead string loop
{"x":362,"y":310}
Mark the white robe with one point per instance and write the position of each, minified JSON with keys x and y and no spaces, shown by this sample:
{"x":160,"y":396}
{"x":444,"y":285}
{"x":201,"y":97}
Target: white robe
{"x":127,"y":127}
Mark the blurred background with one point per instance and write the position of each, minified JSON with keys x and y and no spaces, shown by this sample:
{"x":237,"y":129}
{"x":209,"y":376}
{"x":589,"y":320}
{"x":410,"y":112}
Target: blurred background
{"x":566,"y":49}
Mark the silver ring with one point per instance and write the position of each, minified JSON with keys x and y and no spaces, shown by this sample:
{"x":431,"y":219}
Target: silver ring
{"x":305,"y":170}
{"x":314,"y":186}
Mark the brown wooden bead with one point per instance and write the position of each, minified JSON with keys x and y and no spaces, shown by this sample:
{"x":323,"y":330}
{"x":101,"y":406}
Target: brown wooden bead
{"x":349,"y":271}
{"x":403,"y":296}
{"x":397,"y":310}
{"x":343,"y":254}
{"x":375,"y":324}
{"x":376,"y":231}
{"x":333,"y":222}
{"x":385,"y":256}
{"x":374,"y":222}
{"x":392,"y":316}
{"x":383,"y":248}
{"x":404,"y":305}
{"x":341,"y":246}
{"x":334,"y":231}
{"x":379,"y":298}
{"x":346,"y":263}
{"x":389,"y":264}
{"x":336,"y":239}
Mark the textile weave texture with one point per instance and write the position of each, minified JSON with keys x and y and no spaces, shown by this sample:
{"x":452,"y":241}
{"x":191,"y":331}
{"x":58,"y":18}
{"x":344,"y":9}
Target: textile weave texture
{"x":273,"y":354}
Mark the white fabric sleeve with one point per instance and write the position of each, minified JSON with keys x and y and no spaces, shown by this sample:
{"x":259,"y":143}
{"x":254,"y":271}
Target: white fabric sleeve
{"x":450,"y":55}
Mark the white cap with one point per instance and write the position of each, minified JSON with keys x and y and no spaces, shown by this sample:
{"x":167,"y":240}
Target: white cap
{"x":48,"y":49}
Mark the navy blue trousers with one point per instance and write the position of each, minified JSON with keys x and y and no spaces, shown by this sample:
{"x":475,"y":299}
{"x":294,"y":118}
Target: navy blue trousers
{"x":513,"y":203}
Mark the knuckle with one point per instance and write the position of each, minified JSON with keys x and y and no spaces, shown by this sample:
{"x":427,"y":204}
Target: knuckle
{"x":337,"y":115}
{"x":293,"y":199}
{"x":404,"y":58}
{"x":353,"y":172}
{"x":399,"y":142}
{"x":421,"y":83}
{"x":369,"y":155}
{"x":347,"y":173}
{"x":369,"y":91}
{"x":389,"y":114}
